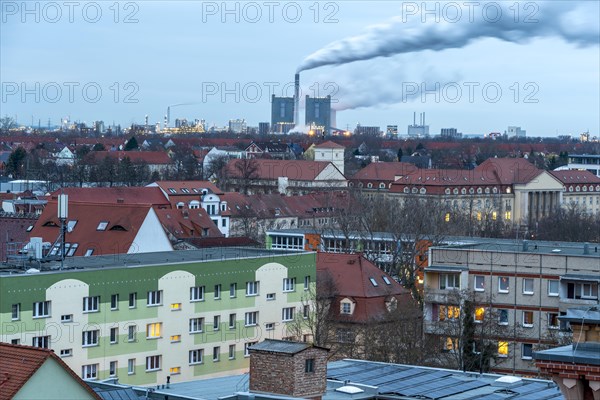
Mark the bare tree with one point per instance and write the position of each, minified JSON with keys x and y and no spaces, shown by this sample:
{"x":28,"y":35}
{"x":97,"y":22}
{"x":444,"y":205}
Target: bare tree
{"x":246,"y":170}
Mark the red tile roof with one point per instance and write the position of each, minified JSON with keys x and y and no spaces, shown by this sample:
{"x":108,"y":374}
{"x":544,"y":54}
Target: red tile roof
{"x":187,"y":223}
{"x":149,"y":157}
{"x":19,"y":363}
{"x":508,"y":171}
{"x":383,"y":171}
{"x":124,"y":222}
{"x":575,"y":176}
{"x":351,"y":276}
{"x":193,"y":187}
{"x":329,"y":145}
{"x":300,"y":170}
{"x":115,"y":195}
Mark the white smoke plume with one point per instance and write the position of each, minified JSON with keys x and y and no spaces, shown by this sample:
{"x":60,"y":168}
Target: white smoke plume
{"x":574,"y":21}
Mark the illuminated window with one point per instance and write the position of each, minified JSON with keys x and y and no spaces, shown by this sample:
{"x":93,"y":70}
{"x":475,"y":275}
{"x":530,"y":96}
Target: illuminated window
{"x":175,"y":306}
{"x":479,"y":314}
{"x":494,"y":215}
{"x":478,"y":216}
{"x":507,"y":215}
{"x":447,"y":217}
{"x":448,"y":312}
{"x":451,"y":345}
{"x":175,"y":338}
{"x":154,"y":330}
{"x":502,"y":349}
{"x":503,"y":284}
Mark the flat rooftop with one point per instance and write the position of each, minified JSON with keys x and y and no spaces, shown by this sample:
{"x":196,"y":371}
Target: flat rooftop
{"x":463,"y":242}
{"x":145,"y":259}
{"x":531,"y":247}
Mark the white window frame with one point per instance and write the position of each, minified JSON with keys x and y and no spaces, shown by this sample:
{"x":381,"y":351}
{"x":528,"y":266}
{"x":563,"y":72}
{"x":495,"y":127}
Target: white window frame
{"x":217,"y":292}
{"x":307,"y":282}
{"x":449,"y":281}
{"x":90,"y":338}
{"x":153,"y":363}
{"x":216,"y":322}
{"x":550,"y":283}
{"x":196,"y":356}
{"x":477,"y":280}
{"x":114,"y":302}
{"x":247,"y":348}
{"x":16,"y":312}
{"x":66,"y":352}
{"x":525,"y":291}
{"x":232,"y":351}
{"x":289,"y":285}
{"x":89,"y":371}
{"x":151,"y":328}
{"x":196,"y":325}
{"x":131,"y":333}
{"x":523,"y":356}
{"x":287,"y":314}
{"x":197,"y":293}
{"x":113,"y":367}
{"x":500,"y":290}
{"x":42,"y":309}
{"x":91,"y":304}
{"x":114,"y":335}
{"x":346,"y":308}
{"x":42,"y":342}
{"x":232,"y":290}
{"x":131,"y":366}
{"x":252,"y":288}
{"x":251,"y":318}
{"x":154,"y":298}
{"x":232,"y":320}
{"x":216,"y":356}
{"x":527,"y":325}
{"x":133,"y":300}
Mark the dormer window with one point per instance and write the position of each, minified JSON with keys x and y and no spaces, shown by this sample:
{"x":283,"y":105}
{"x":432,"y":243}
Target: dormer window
{"x":184,"y":190}
{"x":50,"y":223}
{"x":102,"y":226}
{"x":118,"y":228}
{"x":346,"y":306}
{"x":180,"y":205}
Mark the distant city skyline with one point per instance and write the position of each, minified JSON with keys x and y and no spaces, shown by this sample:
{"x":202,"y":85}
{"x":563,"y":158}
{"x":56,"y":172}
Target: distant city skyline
{"x":535,"y":66}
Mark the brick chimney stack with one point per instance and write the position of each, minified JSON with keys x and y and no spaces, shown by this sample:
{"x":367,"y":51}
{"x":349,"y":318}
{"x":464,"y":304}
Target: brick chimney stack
{"x":288,"y":368}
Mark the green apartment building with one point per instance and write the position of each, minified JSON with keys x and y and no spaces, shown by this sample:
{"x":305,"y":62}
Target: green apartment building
{"x":144,"y":317}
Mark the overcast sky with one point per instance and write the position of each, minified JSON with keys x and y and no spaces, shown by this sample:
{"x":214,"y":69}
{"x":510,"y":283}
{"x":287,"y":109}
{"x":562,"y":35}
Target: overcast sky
{"x":144,"y":56}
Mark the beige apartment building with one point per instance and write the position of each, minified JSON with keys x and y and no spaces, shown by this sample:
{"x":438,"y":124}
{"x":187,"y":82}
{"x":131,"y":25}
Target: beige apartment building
{"x":519,"y":290}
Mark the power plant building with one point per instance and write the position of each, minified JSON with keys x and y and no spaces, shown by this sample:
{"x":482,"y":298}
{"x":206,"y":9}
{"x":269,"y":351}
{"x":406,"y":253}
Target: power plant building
{"x":318,"y":114}
{"x":282,"y":114}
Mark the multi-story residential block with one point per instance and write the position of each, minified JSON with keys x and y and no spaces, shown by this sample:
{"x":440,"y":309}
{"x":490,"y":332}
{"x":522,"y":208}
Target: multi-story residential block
{"x":582,"y":189}
{"x":142,"y":318}
{"x":524,"y":286}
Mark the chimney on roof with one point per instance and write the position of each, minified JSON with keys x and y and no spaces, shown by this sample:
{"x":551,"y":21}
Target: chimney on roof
{"x":525,"y":245}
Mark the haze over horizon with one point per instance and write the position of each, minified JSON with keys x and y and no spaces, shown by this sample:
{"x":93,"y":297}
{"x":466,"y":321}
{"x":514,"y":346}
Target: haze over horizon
{"x":536,"y":66}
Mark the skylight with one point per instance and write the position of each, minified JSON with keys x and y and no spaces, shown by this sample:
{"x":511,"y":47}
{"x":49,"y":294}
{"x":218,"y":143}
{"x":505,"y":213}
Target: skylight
{"x":373,"y":281}
{"x":386,"y":280}
{"x":71,"y":225}
{"x":172,"y":190}
{"x":184,"y":190}
{"x":102,"y":226}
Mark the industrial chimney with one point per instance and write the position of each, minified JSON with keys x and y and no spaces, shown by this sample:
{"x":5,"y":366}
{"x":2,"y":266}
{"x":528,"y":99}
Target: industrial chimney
{"x":297,"y":99}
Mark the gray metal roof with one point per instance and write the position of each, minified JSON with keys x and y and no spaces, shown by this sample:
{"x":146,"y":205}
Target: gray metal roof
{"x":157,"y":258}
{"x":280,"y":346}
{"x":584,"y":353}
{"x":447,"y":268}
{"x":590,"y":315}
{"x":412,"y":382}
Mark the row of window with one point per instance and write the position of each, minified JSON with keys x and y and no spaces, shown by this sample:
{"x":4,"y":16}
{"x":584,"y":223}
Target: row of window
{"x":154,"y":330}
{"x":451,"y":312}
{"x":504,"y":285}
{"x":451,"y":345}
{"x":154,"y":363}
{"x":42,"y":309}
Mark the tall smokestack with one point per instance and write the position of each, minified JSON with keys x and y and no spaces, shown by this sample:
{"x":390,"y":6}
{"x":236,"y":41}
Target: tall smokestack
{"x":415,"y":118}
{"x":423,"y":118}
{"x":297,"y":99}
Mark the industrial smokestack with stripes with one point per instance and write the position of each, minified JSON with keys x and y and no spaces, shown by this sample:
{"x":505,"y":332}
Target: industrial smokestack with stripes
{"x":297,"y":100}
